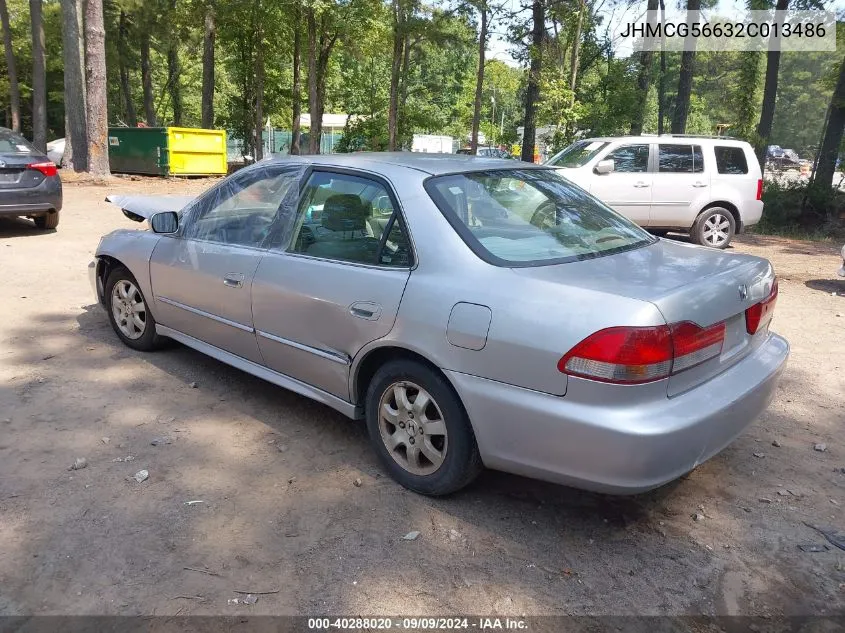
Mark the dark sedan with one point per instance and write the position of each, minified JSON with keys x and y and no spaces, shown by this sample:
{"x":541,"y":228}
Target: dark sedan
{"x":29,"y":182}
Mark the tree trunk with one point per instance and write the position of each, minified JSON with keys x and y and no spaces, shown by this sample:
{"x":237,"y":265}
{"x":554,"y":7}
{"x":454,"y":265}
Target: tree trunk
{"x":296,"y":96}
{"x":682,"y":100}
{"x":644,"y":77}
{"x":147,"y":81}
{"x":173,"y":84}
{"x":831,"y":141}
{"x":313,"y":140}
{"x":39,"y":77}
{"x":576,"y":50}
{"x":479,"y":79}
{"x":122,"y":56}
{"x":208,"y":68}
{"x":326,"y":45}
{"x":258,"y":71}
{"x":661,"y":85}
{"x":11,"y":68}
{"x":95,"y":83}
{"x":770,"y":91}
{"x":76,"y":140}
{"x":532,"y":92}
{"x":393,"y":106}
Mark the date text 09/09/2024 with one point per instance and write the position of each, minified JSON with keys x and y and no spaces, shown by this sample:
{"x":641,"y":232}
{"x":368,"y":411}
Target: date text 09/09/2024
{"x":419,"y":624}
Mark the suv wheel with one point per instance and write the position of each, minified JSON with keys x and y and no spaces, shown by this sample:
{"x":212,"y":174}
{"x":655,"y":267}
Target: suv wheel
{"x":419,"y":429}
{"x":714,"y":227}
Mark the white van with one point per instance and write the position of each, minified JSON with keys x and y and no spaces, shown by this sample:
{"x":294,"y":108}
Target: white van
{"x":710,"y":187}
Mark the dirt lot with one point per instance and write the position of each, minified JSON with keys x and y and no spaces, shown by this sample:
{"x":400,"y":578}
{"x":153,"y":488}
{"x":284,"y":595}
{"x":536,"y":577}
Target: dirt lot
{"x":275,"y":474}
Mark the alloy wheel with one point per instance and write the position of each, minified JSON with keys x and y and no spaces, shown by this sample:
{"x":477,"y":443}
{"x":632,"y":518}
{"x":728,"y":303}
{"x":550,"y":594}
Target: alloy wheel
{"x":716,"y":230}
{"x":412,"y":428}
{"x":129,"y":309}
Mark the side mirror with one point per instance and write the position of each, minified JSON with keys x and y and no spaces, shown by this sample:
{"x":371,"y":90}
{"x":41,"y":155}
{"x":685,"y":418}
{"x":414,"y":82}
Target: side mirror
{"x":604,"y":166}
{"x":166,"y":222}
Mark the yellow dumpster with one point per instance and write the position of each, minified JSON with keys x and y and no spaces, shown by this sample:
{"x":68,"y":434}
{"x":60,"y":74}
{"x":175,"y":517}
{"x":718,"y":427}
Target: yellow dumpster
{"x":196,"y":152}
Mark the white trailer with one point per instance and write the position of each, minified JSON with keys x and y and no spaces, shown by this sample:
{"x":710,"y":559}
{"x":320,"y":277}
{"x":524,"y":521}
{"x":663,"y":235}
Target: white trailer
{"x":432,"y":144}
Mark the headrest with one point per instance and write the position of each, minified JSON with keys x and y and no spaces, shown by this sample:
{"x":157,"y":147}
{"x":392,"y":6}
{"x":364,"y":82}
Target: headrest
{"x":344,"y":212}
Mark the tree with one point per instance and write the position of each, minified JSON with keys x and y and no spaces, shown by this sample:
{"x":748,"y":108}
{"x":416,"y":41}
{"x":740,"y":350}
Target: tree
{"x":95,"y":85}
{"x":399,"y":48}
{"x":259,"y":80}
{"x":322,"y":36}
{"x":76,"y":140}
{"x":682,"y":100}
{"x":39,"y":77}
{"x":770,"y":89}
{"x":821,"y":183}
{"x":147,"y":80}
{"x":484,"y":14}
{"x":123,"y":66}
{"x":208,"y":41}
{"x":296,"y":90}
{"x":174,"y":86}
{"x":644,"y":75}
{"x":532,"y":92}
{"x":11,"y":68}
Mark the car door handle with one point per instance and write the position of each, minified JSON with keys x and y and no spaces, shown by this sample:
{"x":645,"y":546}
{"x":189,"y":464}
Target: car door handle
{"x":699,"y":184}
{"x":365,"y":310}
{"x":233,"y":280}
{"x":641,"y":184}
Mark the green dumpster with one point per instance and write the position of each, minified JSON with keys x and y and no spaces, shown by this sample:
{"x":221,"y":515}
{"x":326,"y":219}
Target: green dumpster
{"x":165,"y":151}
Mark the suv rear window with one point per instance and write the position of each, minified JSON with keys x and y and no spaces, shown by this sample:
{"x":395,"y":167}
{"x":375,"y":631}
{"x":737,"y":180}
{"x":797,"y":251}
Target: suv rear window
{"x":681,"y":159}
{"x":11,"y":143}
{"x":531,"y":217}
{"x":730,"y":160}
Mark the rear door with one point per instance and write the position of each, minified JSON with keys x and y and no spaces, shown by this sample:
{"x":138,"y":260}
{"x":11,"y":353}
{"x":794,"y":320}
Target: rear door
{"x":626,"y":189}
{"x":202,"y":277}
{"x":681,"y":185}
{"x":335,"y":283}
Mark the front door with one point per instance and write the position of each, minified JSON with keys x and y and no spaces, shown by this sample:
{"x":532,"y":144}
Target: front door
{"x":202,"y":277}
{"x":626,"y":189}
{"x":335,"y":284}
{"x":681,"y":185}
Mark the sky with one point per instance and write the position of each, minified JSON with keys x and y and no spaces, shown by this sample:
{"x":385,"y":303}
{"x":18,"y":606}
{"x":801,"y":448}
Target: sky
{"x":616,"y":17}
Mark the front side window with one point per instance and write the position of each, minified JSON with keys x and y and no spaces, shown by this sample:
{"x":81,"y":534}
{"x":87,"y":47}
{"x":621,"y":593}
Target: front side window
{"x":530,"y":217}
{"x":241,"y":210}
{"x":680,"y":159}
{"x":577,"y":155}
{"x":629,"y":158}
{"x":730,"y":160}
{"x":350,"y":218}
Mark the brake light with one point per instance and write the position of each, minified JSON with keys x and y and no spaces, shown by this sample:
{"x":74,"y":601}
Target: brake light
{"x":635,"y":355}
{"x":48,"y":169}
{"x":760,"y":189}
{"x":760,"y":312}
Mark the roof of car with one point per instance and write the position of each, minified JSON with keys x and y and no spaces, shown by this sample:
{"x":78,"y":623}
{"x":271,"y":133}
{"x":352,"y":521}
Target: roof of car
{"x":433,"y":164}
{"x":665,"y":138}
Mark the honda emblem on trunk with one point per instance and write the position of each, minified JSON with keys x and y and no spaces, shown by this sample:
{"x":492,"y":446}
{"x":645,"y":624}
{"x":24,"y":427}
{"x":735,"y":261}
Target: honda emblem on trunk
{"x":743,"y":292}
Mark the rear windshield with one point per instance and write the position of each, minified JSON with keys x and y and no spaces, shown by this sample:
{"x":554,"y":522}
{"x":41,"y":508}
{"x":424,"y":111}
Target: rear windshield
{"x":531,"y":217}
{"x":577,"y":154}
{"x":11,"y":143}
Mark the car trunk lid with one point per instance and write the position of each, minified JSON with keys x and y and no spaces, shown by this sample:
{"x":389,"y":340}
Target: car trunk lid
{"x":686,"y":283}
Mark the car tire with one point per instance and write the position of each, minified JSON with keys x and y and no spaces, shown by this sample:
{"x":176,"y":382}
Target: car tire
{"x":124,"y":301}
{"x":427,"y":447}
{"x":47,"y":221}
{"x":715,"y":227}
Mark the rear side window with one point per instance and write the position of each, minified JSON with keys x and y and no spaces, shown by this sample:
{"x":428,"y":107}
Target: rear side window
{"x":629,"y":158}
{"x":730,"y":160}
{"x":680,"y":159}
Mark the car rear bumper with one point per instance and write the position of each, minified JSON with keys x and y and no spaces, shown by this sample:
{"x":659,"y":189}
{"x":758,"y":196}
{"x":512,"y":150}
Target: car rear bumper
{"x":751,"y":213}
{"x":45,"y":197}
{"x":618,"y":448}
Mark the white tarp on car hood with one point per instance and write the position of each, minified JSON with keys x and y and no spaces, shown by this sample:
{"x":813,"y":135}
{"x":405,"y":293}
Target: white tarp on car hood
{"x":140,"y":208}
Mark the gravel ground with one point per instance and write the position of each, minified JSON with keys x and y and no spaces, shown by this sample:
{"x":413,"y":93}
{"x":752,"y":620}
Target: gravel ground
{"x":272,"y":477}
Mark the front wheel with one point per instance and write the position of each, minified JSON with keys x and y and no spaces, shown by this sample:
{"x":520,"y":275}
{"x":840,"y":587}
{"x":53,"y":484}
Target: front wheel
{"x":715,"y":227}
{"x":419,"y":429}
{"x":129,"y":313}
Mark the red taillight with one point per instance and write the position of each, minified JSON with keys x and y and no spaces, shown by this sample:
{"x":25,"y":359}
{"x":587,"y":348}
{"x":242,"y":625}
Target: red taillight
{"x":760,"y":189}
{"x":633,"y":355}
{"x":761,"y":312}
{"x":48,"y":169}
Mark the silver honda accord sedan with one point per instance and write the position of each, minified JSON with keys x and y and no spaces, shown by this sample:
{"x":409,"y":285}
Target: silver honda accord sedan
{"x":475,"y":312}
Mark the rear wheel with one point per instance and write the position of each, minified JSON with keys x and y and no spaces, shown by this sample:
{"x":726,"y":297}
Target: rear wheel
{"x":129,"y":313}
{"x":419,"y":429}
{"x":714,"y":227}
{"x":47,"y":221}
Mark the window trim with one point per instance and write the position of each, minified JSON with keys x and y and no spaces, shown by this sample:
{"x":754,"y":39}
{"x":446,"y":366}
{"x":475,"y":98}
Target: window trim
{"x":486,"y":256}
{"x":189,"y":210}
{"x":398,"y":213}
